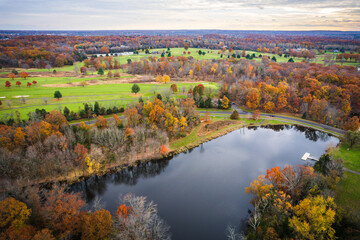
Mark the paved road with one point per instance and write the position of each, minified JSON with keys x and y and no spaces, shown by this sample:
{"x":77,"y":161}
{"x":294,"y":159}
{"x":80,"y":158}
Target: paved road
{"x":318,"y":125}
{"x":351,"y":171}
{"x":242,"y":112}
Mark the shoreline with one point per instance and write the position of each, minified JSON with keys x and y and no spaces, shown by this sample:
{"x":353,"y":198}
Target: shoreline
{"x":78,"y":176}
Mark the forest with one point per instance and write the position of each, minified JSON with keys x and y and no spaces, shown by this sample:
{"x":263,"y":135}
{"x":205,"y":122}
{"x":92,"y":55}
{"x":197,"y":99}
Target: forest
{"x":167,"y":87}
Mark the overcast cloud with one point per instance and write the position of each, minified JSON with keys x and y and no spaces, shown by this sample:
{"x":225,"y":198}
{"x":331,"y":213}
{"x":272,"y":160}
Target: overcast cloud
{"x":179,"y":14}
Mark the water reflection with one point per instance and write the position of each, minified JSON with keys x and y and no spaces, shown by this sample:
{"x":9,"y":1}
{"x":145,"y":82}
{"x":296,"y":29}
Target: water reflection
{"x":310,"y":134}
{"x":201,"y":191}
{"x":97,"y":185}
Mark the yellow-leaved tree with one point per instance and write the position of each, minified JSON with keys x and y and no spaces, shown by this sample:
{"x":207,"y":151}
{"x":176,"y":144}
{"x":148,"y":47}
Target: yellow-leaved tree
{"x":13,"y":213}
{"x":166,"y":79}
{"x":259,"y":188}
{"x":313,"y":218}
{"x":182,"y":123}
{"x":225,"y":102}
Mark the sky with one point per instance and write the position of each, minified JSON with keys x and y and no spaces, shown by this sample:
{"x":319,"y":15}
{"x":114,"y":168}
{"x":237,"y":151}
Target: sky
{"x":180,"y":14}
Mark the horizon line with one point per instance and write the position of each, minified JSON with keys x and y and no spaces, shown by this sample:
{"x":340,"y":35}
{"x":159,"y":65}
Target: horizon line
{"x":200,"y":29}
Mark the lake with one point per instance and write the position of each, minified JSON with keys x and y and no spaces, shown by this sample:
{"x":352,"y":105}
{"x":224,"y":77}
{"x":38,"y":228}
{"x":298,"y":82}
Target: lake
{"x":202,"y":191}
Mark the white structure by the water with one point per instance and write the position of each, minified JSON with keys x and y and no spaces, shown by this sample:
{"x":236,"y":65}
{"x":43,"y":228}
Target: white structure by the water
{"x":307,"y":156}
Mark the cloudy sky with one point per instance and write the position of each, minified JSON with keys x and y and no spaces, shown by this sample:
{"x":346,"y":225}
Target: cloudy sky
{"x":180,"y":14}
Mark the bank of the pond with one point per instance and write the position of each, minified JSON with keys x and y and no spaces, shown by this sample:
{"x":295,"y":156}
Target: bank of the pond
{"x":178,"y":146}
{"x":189,"y":143}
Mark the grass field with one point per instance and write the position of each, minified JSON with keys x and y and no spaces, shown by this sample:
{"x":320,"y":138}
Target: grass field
{"x":348,"y":191}
{"x":213,"y":54}
{"x":351,"y":157}
{"x":75,"y":96}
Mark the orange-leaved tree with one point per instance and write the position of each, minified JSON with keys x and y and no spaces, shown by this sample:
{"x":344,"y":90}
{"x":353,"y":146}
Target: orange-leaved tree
{"x":96,"y":226}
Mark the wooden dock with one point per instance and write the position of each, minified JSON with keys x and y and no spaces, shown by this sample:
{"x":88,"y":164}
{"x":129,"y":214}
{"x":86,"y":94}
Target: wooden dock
{"x":307,"y":156}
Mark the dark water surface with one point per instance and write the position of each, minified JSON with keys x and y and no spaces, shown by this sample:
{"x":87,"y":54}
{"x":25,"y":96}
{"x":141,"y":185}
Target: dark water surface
{"x":200,"y":192}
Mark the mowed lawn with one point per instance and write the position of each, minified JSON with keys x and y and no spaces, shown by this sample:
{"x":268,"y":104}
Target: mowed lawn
{"x":214,"y":54}
{"x":348,"y":191}
{"x":74,"y":96}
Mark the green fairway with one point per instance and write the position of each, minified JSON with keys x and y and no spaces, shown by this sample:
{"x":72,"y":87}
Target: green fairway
{"x":351,"y":156}
{"x":215,"y":54}
{"x":75,"y":96}
{"x":348,"y":193}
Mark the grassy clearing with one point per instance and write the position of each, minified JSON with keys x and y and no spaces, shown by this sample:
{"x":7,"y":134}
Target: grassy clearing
{"x":193,"y":139}
{"x":75,"y":96}
{"x":348,"y":193}
{"x":214,"y":54}
{"x":351,"y":156}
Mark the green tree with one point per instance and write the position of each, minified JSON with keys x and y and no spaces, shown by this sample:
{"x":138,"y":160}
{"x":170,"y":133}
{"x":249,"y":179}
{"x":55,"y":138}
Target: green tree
{"x":101,"y":71}
{"x":66,"y":112}
{"x":321,"y":165}
{"x":135,"y":88}
{"x":291,"y":60}
{"x":96,"y":108}
{"x":57,"y":94}
{"x":352,"y":138}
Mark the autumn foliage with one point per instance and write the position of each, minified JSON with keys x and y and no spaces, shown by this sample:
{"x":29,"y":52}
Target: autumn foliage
{"x":293,"y":201}
{"x":13,"y":213}
{"x":123,"y":211}
{"x":101,"y":122}
{"x":163,"y":149}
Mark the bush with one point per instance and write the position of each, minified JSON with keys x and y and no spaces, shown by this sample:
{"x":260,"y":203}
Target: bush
{"x":234,"y":115}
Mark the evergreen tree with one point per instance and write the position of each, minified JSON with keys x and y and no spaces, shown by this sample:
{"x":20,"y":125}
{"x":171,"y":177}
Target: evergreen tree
{"x":101,"y":71}
{"x":66,"y":112}
{"x":135,"y":88}
{"x":57,"y":94}
{"x":96,"y":108}
{"x":234,"y":115}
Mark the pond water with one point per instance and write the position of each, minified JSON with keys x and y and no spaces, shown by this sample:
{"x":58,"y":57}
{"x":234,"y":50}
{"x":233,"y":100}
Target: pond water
{"x":200,"y":192}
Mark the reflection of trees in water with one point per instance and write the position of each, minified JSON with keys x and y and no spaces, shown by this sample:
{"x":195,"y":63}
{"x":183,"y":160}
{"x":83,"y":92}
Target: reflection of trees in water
{"x":202,"y":149}
{"x":311,"y":134}
{"x":97,"y":185}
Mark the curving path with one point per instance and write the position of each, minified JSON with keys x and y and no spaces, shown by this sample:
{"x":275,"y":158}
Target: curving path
{"x":314,"y":124}
{"x":242,"y":112}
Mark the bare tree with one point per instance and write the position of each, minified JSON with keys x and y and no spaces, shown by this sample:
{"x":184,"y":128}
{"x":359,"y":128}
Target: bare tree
{"x":8,"y":103}
{"x":98,"y":204}
{"x":143,"y":222}
{"x":183,"y":89}
{"x":45,"y":100}
{"x":22,"y":100}
{"x":231,"y":234}
{"x":254,"y":221}
{"x":92,"y":69}
{"x":48,"y":67}
{"x":76,"y":69}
